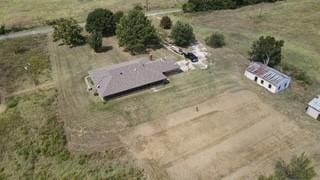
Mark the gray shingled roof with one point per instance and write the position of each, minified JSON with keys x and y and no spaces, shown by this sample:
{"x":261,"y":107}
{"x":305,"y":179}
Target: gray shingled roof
{"x":267,"y":73}
{"x":129,"y":75}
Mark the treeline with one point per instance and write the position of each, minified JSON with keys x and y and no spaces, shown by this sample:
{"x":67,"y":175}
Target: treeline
{"x":206,"y":5}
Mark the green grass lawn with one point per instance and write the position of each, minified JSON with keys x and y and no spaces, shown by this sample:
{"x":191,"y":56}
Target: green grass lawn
{"x":22,"y":13}
{"x":24,"y":63}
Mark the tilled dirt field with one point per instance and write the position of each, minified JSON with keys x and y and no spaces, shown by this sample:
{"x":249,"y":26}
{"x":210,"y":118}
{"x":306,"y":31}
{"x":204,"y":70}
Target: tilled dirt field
{"x":232,"y":136}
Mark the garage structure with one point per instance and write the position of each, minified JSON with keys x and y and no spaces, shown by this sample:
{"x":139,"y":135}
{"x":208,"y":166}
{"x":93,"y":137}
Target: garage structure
{"x":313,"y":108}
{"x":123,"y":78}
{"x":267,"y":77}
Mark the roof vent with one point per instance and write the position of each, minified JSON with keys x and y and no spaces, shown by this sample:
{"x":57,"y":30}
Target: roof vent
{"x":121,"y":73}
{"x":135,"y":69}
{"x":98,"y":86}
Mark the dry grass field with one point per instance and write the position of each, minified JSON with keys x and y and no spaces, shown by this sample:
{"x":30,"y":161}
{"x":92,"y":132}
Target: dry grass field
{"x":239,"y":131}
{"x":233,"y":136}
{"x":26,"y":13}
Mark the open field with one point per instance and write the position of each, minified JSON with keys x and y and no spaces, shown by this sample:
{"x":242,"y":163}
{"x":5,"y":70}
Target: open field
{"x":295,"y":21}
{"x":23,"y":13}
{"x":24,"y":63}
{"x":233,"y":136}
{"x":238,"y":133}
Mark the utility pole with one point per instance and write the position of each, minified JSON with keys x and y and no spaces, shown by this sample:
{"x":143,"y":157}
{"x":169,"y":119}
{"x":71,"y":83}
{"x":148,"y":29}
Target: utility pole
{"x":147,"y":5}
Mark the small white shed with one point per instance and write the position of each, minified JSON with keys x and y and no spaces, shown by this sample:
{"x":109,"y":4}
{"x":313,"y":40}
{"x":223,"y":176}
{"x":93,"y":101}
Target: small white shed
{"x":313,"y":108}
{"x":267,"y":77}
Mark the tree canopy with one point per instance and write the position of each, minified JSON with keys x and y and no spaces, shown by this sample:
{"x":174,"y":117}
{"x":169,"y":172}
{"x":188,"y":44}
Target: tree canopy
{"x":267,"y":50}
{"x":182,"y":34}
{"x":205,"y":5}
{"x":101,"y":20}
{"x":95,"y":41}
{"x":67,"y":30}
{"x":135,"y":32}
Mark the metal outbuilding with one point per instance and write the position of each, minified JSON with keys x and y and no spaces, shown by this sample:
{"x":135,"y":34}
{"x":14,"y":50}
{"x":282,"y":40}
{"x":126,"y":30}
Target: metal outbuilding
{"x":267,"y":77}
{"x":313,"y":108}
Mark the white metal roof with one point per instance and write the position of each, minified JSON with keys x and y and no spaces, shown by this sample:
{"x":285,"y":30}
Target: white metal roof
{"x":267,"y":73}
{"x":315,"y":103}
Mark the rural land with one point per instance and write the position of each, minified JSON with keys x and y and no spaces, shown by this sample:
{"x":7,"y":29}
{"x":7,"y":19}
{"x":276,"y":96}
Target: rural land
{"x":160,"y":89}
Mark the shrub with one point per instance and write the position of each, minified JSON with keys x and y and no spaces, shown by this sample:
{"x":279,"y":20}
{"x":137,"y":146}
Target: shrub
{"x":188,"y":7}
{"x":101,"y":20}
{"x":297,"y":73}
{"x":166,"y":22}
{"x":135,"y":32}
{"x":182,"y":34}
{"x":2,"y":29}
{"x":298,"y":168}
{"x":95,"y":41}
{"x":216,"y":40}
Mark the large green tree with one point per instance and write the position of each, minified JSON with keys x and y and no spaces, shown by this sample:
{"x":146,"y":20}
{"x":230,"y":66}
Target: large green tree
{"x":135,"y":32}
{"x":267,"y":50}
{"x":182,"y":34}
{"x":101,"y":20}
{"x":67,"y":30}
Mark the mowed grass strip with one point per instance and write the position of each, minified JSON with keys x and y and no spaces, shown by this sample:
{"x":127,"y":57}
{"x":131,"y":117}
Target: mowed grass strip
{"x":24,"y":62}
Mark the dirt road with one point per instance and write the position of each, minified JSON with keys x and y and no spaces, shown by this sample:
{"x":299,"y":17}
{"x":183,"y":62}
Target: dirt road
{"x":47,"y":29}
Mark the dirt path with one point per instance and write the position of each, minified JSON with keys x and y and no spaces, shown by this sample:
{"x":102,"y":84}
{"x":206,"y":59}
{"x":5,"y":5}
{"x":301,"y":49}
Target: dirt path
{"x":2,"y":100}
{"x":45,"y":86}
{"x":46,"y":30}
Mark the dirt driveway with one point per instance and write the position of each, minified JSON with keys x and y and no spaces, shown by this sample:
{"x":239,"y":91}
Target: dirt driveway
{"x":232,"y":136}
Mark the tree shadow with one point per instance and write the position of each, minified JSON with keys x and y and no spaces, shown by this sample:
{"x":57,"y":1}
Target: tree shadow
{"x":104,"y":49}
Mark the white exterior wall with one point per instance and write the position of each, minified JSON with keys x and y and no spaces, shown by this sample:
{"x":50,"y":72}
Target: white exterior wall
{"x":273,"y":89}
{"x":249,"y":75}
{"x":313,"y":113}
{"x":284,"y":85}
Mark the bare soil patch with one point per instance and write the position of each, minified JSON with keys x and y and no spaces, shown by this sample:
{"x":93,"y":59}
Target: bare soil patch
{"x":232,"y":136}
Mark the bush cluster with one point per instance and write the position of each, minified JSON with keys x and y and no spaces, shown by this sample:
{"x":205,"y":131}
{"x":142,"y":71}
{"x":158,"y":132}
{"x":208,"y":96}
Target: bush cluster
{"x":206,"y":5}
{"x":297,"y":73}
{"x":216,"y":40}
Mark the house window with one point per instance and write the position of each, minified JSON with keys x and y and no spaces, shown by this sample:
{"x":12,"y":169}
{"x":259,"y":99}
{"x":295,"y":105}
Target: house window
{"x":256,"y":78}
{"x":262,"y":81}
{"x":270,"y":86}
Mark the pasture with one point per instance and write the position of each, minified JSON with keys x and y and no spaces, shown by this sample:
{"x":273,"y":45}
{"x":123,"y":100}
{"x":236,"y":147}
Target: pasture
{"x":21,"y":13}
{"x":238,"y":132}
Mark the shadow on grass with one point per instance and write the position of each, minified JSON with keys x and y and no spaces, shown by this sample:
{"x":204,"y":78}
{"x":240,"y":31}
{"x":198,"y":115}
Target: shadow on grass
{"x":104,"y":49}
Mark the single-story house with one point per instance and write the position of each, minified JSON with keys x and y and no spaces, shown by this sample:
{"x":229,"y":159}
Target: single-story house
{"x":267,"y":77}
{"x":313,"y":108}
{"x":122,"y":78}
